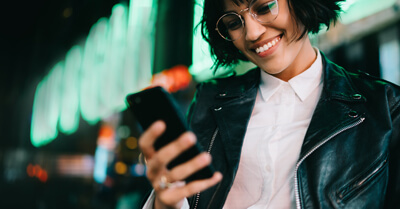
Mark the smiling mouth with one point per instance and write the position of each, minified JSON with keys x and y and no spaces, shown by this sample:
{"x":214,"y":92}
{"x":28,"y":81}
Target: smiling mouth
{"x":268,"y":45}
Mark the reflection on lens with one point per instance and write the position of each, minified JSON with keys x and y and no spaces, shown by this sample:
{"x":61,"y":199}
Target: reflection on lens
{"x":264,"y":11}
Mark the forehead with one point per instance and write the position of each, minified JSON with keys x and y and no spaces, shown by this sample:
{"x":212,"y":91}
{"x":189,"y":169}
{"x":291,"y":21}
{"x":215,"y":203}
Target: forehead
{"x":237,"y":2}
{"x":234,"y":3}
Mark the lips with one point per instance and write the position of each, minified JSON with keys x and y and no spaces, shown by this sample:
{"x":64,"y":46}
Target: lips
{"x":267,"y":45}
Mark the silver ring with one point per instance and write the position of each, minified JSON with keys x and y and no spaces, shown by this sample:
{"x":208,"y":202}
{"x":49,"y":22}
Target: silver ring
{"x":164,"y":184}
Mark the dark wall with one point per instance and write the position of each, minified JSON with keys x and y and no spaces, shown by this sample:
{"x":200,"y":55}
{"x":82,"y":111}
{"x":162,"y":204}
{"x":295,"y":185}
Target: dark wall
{"x":362,"y":54}
{"x":34,"y":36}
{"x":174,"y":32}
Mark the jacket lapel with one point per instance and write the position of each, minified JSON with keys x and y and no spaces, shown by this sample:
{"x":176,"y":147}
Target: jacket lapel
{"x":335,"y":110}
{"x":232,"y":113}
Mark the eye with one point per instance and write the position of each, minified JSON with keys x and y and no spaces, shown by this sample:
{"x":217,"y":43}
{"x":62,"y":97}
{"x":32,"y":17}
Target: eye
{"x":264,"y":8}
{"x":232,"y":22}
{"x":234,"y":25}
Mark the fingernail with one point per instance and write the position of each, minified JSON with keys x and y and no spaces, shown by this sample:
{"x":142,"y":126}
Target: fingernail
{"x":206,"y":157}
{"x":191,"y":137}
{"x":218,"y":175}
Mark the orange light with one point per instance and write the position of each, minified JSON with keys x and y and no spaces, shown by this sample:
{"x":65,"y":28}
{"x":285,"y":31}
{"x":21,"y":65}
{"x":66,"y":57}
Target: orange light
{"x":30,"y":170}
{"x":120,"y":168}
{"x":37,"y":171}
{"x":173,"y":79}
{"x":106,"y":131}
{"x":42,"y":176}
{"x":131,"y":142}
{"x":106,"y":137}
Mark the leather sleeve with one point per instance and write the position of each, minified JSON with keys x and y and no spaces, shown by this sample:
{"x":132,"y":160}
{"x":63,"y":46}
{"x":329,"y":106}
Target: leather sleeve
{"x":393,"y":191}
{"x":189,"y":113}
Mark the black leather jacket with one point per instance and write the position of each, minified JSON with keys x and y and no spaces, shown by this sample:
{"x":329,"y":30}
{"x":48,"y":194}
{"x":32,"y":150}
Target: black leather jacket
{"x":350,"y":157}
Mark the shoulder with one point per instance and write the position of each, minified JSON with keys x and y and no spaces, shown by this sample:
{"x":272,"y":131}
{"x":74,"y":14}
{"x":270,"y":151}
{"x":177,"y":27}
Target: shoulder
{"x":373,"y":88}
{"x":377,"y":86}
{"x":232,"y":83}
{"x":215,"y":91}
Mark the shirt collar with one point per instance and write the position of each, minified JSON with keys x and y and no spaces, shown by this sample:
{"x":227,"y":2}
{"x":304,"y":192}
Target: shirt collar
{"x":303,"y":84}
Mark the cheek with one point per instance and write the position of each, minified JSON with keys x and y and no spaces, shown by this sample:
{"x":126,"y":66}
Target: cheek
{"x":239,"y":45}
{"x":295,"y":29}
{"x":288,"y":24}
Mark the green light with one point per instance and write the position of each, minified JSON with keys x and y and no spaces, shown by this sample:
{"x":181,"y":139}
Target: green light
{"x":202,"y":59}
{"x":111,"y":94}
{"x":116,"y":60}
{"x":356,"y":9}
{"x":38,"y":121}
{"x":140,"y":45}
{"x":46,"y":107}
{"x":93,"y":68}
{"x":69,"y":115}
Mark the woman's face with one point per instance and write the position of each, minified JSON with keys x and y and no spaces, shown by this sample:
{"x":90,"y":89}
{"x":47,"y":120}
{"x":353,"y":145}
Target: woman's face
{"x":287,"y":57}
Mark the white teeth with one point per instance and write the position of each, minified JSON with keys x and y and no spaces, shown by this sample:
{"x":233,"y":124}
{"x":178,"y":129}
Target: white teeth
{"x":268,"y":45}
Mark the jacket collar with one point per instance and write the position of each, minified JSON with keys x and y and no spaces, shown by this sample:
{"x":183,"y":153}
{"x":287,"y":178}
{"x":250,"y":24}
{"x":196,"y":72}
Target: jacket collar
{"x":337,"y":84}
{"x":237,"y":86}
{"x":334,"y":110}
{"x":232,"y":111}
{"x":338,"y":108}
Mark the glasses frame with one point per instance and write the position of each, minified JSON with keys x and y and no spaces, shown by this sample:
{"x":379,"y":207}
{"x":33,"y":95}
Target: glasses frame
{"x":242,"y":19}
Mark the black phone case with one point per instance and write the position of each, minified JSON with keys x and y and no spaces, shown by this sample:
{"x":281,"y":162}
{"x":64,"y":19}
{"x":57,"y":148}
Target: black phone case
{"x":155,"y":104}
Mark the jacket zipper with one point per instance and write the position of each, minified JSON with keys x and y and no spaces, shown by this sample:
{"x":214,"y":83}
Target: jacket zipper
{"x":354,"y":187}
{"x":296,"y":188}
{"x":208,"y":151}
{"x":371,"y":174}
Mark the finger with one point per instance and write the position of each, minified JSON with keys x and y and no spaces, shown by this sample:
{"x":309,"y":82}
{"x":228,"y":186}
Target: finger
{"x":169,"y":152}
{"x":195,"y":187}
{"x":173,"y":196}
{"x":170,"y":204}
{"x":162,"y":157}
{"x":149,"y":136}
{"x":186,"y":169}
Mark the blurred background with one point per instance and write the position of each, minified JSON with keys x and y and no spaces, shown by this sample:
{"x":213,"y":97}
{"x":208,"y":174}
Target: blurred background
{"x":66,"y":137}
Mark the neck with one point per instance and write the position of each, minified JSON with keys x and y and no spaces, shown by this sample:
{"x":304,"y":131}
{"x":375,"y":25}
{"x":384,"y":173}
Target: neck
{"x":304,"y":59}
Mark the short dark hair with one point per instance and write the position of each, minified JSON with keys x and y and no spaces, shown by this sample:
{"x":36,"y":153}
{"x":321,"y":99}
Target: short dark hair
{"x":313,"y":14}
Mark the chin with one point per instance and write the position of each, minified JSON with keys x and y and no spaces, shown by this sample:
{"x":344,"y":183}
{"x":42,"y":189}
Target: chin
{"x":272,"y":71}
{"x":271,"y":68}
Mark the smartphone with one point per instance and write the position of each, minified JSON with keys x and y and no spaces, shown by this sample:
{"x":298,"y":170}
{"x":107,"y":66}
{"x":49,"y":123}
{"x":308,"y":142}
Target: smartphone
{"x":155,"y":104}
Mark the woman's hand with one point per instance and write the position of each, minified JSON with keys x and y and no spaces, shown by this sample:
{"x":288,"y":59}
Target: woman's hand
{"x":157,"y":172}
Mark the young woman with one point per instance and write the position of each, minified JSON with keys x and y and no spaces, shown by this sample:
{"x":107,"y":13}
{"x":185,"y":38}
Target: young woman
{"x":296,"y":132}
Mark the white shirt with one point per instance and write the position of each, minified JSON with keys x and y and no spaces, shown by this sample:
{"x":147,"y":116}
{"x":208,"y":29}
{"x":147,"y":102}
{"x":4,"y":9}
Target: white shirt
{"x":275,"y":133}
{"x":272,"y":143}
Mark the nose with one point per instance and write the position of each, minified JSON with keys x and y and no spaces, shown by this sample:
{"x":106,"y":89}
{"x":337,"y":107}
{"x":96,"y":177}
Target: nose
{"x":253,"y":28}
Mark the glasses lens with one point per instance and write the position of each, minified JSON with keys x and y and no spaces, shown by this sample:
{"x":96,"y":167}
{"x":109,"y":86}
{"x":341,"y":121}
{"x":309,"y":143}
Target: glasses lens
{"x":265,"y":11}
{"x":230,"y":26}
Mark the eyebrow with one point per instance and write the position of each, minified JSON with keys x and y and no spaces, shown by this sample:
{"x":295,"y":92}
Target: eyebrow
{"x":237,"y":3}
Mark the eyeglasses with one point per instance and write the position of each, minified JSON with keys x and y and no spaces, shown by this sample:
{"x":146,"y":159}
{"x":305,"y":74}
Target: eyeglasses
{"x":230,"y":26}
